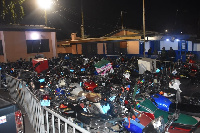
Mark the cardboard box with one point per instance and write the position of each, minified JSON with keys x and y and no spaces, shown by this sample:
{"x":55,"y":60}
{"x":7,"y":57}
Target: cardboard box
{"x":147,"y":64}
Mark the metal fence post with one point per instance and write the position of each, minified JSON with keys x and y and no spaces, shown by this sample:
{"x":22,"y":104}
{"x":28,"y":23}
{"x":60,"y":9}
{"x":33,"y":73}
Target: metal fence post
{"x":0,"y":78}
{"x":35,"y":112}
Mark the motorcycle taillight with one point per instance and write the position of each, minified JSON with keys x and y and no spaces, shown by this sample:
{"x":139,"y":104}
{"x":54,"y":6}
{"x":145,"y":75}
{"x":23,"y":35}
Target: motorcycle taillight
{"x":45,"y":97}
{"x":19,"y":122}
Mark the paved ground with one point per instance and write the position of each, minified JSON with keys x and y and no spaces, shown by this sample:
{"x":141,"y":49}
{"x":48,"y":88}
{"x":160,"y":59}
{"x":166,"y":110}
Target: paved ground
{"x":28,"y":127}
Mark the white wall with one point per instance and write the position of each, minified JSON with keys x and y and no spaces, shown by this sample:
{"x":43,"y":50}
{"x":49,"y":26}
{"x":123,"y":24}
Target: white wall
{"x":189,"y":45}
{"x":147,"y":46}
{"x":196,"y":47}
{"x":99,"y":48}
{"x":168,"y":44}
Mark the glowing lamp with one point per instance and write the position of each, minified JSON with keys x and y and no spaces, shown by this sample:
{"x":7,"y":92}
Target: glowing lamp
{"x":35,"y":36}
{"x":45,"y":4}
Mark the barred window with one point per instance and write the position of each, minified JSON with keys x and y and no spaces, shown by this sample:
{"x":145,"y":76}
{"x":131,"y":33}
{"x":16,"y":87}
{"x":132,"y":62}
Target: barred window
{"x":37,"y":46}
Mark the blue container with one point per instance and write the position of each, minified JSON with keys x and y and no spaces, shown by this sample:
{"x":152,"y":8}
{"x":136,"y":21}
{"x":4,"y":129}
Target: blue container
{"x":135,"y":127}
{"x":162,"y":102}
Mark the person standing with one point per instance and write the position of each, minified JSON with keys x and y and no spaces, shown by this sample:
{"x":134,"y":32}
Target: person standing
{"x":149,"y":52}
{"x":172,"y":54}
{"x":155,"y":52}
{"x":163,"y":54}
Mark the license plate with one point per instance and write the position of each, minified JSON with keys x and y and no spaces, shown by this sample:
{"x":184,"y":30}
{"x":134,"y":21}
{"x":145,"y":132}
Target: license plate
{"x":45,"y":102}
{"x":3,"y":119}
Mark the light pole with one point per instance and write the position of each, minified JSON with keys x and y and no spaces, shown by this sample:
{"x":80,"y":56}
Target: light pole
{"x":144,"y":26}
{"x":82,"y":24}
{"x":45,"y":16}
{"x":45,"y":4}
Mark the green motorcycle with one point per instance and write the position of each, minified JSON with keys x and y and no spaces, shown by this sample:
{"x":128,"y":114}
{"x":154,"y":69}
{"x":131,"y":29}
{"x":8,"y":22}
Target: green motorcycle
{"x":174,"y":120}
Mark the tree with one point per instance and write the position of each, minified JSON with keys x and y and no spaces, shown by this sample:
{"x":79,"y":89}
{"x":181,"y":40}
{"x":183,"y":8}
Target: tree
{"x":11,"y":11}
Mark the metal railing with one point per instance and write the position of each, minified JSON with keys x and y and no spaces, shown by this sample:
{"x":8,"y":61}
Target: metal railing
{"x":0,"y":78}
{"x":42,"y":119}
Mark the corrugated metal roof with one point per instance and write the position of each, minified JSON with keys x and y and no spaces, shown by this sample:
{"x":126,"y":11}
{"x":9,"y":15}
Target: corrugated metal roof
{"x":138,"y":32}
{"x":15,"y":27}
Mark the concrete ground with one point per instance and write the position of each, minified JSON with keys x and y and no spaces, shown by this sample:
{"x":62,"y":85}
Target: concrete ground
{"x":27,"y":125}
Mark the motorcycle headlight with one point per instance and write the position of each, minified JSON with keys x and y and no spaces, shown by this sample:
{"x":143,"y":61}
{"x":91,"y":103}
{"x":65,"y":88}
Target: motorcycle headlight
{"x":159,"y":124}
{"x":156,"y":125}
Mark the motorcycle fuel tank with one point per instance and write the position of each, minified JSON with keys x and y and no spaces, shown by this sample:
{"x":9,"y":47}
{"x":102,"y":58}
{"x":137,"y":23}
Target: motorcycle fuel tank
{"x":161,"y":102}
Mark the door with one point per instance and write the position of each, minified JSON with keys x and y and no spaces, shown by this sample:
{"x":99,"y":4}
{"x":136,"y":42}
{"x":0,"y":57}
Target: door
{"x":182,"y":50}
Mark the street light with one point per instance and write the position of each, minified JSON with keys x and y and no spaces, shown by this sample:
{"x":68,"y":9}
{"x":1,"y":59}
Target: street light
{"x":45,"y":4}
{"x":144,"y":26}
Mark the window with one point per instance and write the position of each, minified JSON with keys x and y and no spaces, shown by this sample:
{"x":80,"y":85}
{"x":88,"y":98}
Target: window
{"x":37,"y":46}
{"x":1,"y":48}
{"x":33,"y":46}
{"x":44,"y":45}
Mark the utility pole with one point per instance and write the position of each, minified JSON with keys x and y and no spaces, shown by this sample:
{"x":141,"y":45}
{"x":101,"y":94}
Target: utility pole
{"x":122,"y":20}
{"x":82,"y":24}
{"x":45,"y":16}
{"x":0,"y":78}
{"x":144,"y":26}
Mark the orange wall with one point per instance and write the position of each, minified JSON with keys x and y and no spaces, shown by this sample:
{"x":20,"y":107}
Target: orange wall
{"x":1,"y":58}
{"x":99,"y":48}
{"x":133,"y":47}
{"x":79,"y":48}
{"x":16,"y":48}
{"x":105,"y":48}
{"x":74,"y":49}
{"x":64,"y":49}
{"x":15,"y":45}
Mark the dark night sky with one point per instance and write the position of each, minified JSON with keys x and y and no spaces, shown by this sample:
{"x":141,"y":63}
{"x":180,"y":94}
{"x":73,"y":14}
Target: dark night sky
{"x":103,"y":16}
